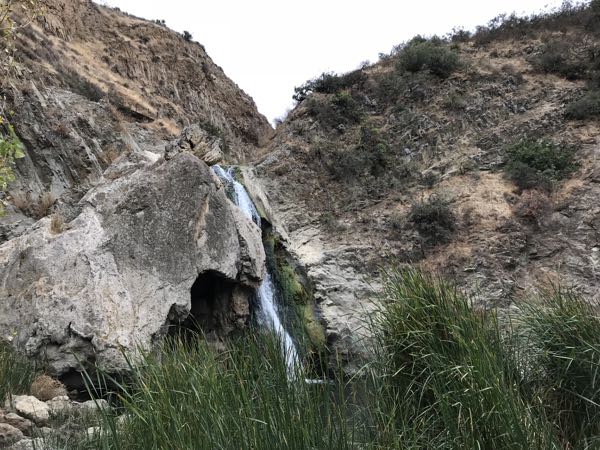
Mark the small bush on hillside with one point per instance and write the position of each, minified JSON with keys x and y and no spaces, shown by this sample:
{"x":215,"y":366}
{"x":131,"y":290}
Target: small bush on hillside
{"x":538,"y":164}
{"x":368,"y":162}
{"x":460,"y":35}
{"x":433,"y":55}
{"x":555,"y":58}
{"x":341,"y":109}
{"x":329,"y":83}
{"x":433,"y":219}
{"x":187,"y":36}
{"x":455,"y":102}
{"x":391,"y":86}
{"x":585,"y":108}
{"x":375,"y":148}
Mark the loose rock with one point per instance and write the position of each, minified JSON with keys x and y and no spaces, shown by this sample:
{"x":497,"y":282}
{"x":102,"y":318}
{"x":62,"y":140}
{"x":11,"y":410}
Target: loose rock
{"x":31,"y":408}
{"x":9,"y":435}
{"x":18,"y":422}
{"x":31,"y":444}
{"x":61,"y":405}
{"x":94,"y":405}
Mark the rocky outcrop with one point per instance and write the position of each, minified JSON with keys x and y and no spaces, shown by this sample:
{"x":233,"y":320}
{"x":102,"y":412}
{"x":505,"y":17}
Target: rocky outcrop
{"x":147,"y":72}
{"x":119,"y":273}
{"x":340,"y":185}
{"x":114,"y":232}
{"x":194,"y":139}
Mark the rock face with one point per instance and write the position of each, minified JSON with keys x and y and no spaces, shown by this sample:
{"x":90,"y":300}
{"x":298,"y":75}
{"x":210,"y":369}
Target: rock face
{"x":342,"y":291}
{"x":147,"y":72}
{"x":340,"y":187}
{"x":114,"y":232}
{"x":199,"y":142}
{"x":118,"y":274}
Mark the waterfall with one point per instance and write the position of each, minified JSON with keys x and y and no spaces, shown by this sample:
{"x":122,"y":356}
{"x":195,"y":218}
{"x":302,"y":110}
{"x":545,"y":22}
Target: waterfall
{"x":268,"y":315}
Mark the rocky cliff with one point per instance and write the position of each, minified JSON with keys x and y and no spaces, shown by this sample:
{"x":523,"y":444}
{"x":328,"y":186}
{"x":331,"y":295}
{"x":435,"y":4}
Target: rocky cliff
{"x":115,"y":228}
{"x":415,"y":160}
{"x":94,"y":83}
{"x":473,"y":156}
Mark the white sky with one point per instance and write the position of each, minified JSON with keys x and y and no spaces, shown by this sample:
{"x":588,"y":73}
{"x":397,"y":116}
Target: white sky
{"x":269,"y":46}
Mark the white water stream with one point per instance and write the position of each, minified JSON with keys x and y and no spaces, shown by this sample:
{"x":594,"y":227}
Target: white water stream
{"x":268,"y":315}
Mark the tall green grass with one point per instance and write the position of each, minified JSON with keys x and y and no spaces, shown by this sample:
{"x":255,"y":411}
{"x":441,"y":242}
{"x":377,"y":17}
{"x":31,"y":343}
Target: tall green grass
{"x":16,"y":371}
{"x":564,"y":369}
{"x":189,"y":396}
{"x":450,"y":370}
{"x":445,"y":376}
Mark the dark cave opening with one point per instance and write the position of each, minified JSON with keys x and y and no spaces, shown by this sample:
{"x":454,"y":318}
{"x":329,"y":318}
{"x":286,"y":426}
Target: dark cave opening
{"x":210,"y":311}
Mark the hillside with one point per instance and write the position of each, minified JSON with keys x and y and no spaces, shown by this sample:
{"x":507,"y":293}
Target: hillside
{"x":416,"y":161}
{"x":376,"y":273}
{"x":93,"y":78}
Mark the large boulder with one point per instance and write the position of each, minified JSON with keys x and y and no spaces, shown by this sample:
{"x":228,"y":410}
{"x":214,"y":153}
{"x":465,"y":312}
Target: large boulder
{"x":116,"y":276}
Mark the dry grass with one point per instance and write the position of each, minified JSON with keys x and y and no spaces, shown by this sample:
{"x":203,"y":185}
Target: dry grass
{"x":45,"y":202}
{"x":57,"y":224}
{"x":21,"y":201}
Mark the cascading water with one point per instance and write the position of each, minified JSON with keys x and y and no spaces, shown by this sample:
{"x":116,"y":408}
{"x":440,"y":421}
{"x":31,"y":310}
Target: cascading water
{"x":268,"y":315}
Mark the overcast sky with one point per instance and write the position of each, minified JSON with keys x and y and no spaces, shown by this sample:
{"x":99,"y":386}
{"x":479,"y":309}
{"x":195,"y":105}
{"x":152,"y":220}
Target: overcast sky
{"x":269,"y":46}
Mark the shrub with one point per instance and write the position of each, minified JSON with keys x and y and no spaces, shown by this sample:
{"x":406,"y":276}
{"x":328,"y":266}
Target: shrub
{"x":187,"y":36}
{"x":455,"y":102}
{"x":433,"y":219}
{"x":538,"y":164}
{"x":340,"y":109}
{"x":375,"y":150}
{"x":369,"y":160}
{"x":555,"y":58}
{"x":432,"y":55}
{"x":586,"y":107}
{"x":11,"y":149}
{"x":329,"y":83}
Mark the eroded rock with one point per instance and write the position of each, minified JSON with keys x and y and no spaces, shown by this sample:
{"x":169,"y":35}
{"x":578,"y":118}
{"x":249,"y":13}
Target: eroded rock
{"x":22,"y":424}
{"x":122,"y":269}
{"x":201,"y":143}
